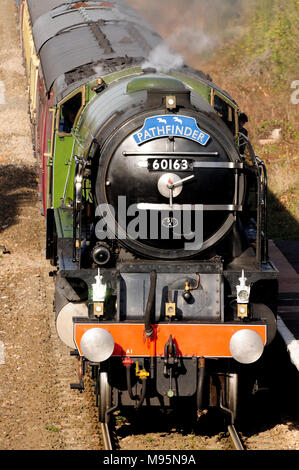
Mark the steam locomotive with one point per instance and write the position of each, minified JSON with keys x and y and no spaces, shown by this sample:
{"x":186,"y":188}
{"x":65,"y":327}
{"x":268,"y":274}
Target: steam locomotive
{"x":156,"y":211}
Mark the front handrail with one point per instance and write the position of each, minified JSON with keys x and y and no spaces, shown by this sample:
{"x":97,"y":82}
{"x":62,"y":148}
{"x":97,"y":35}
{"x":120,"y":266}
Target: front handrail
{"x":264,"y":186}
{"x":262,"y":189}
{"x":77,"y":208}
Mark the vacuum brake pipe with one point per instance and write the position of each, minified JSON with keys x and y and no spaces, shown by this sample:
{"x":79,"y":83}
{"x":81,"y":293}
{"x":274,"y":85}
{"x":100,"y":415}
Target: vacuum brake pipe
{"x":201,"y":376}
{"x":150,"y":301}
{"x":140,"y":398}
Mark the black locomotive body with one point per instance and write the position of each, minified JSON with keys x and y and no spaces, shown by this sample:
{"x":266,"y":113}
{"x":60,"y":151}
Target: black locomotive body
{"x":172,"y":292}
{"x":164,"y":284}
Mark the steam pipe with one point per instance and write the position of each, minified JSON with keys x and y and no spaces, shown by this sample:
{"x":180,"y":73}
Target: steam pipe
{"x":143,"y":393}
{"x":129,"y":385}
{"x":201,"y":376}
{"x":150,"y":301}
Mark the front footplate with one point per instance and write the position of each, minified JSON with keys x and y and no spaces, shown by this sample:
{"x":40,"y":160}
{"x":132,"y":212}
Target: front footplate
{"x":191,"y":340}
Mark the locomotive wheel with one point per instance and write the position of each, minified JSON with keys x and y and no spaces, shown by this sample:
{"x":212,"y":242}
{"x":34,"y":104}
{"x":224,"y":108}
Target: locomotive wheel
{"x":97,"y":387}
{"x":104,"y":396}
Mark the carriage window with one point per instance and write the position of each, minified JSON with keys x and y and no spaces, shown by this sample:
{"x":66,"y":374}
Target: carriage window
{"x":69,"y":111}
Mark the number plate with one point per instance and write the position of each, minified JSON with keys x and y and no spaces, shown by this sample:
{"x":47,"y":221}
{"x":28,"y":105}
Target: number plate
{"x":170,"y":164}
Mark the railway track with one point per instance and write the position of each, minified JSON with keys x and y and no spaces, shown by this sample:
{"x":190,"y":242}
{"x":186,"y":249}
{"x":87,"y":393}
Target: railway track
{"x":106,"y":436}
{"x":108,"y":440}
{"x":235,"y":437}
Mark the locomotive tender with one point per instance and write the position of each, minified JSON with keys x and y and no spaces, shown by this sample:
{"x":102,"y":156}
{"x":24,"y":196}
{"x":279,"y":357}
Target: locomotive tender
{"x":161,"y":285}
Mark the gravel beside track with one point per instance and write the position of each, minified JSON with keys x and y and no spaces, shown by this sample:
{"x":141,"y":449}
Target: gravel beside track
{"x":37,"y":408}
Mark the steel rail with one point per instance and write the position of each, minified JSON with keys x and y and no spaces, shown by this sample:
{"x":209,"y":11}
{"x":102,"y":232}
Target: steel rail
{"x":235,"y":437}
{"x":106,"y":436}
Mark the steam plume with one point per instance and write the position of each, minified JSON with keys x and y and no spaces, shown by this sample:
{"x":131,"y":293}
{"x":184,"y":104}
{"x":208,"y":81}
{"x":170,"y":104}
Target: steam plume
{"x":163,"y":59}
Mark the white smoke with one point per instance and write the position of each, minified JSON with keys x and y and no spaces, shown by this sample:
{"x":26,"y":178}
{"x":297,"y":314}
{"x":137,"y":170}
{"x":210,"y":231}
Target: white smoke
{"x":99,"y":70}
{"x":163,"y":59}
{"x":196,"y":27}
{"x":192,"y":39}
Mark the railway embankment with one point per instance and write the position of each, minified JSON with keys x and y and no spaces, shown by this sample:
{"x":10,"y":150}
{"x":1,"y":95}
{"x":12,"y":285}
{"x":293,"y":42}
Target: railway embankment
{"x":38,"y":411}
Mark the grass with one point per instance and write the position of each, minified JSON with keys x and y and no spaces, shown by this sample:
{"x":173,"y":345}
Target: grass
{"x":273,"y":34}
{"x":52,"y":428}
{"x":119,"y":419}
